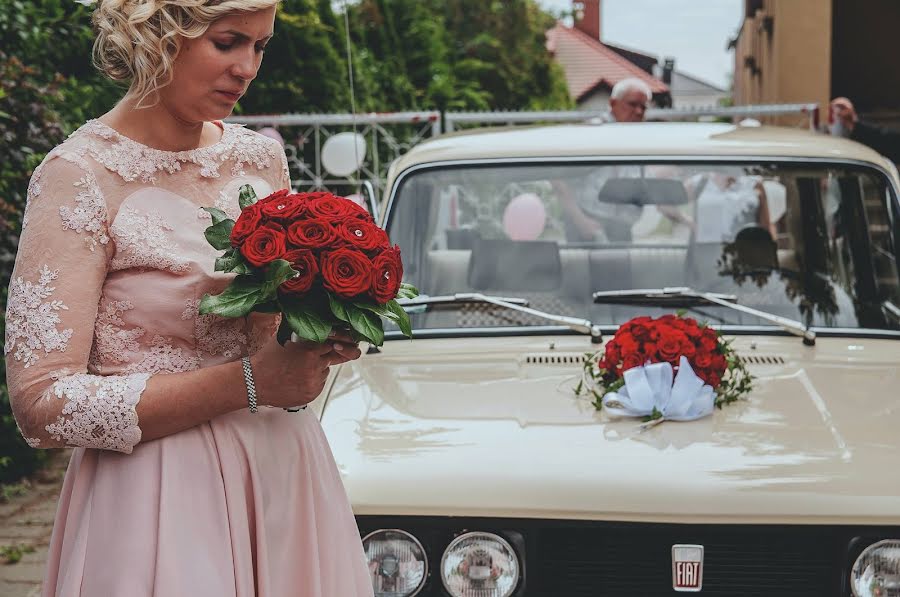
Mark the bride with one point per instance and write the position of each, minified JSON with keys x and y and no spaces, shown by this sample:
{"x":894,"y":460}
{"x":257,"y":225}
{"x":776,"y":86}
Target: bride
{"x":176,"y":487}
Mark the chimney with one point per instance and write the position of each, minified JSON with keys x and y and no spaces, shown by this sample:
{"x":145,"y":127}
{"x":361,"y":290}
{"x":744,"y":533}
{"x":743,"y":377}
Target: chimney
{"x":587,"y":17}
{"x":668,"y":68}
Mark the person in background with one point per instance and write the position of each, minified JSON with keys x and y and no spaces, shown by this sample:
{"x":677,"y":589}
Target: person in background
{"x":628,"y":101}
{"x":846,"y":123}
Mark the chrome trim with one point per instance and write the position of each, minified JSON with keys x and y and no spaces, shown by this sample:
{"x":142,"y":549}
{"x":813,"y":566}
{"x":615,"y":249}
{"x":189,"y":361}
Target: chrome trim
{"x":372,"y":198}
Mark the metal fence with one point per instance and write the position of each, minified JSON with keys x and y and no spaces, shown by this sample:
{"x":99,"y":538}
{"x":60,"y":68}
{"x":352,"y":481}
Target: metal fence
{"x":391,"y":134}
{"x":387,"y":135}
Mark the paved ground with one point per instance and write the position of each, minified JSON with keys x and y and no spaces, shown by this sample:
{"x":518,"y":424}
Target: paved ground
{"x":26,"y":521}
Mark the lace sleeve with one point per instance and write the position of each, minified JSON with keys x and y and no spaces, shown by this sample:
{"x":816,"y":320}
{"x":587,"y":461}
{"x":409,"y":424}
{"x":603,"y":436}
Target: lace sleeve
{"x":285,"y":182}
{"x":52,"y":304}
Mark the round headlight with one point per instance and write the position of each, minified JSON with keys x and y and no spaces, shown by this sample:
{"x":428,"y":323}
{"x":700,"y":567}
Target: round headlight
{"x":480,"y":565}
{"x":876,"y":572}
{"x":397,"y":563}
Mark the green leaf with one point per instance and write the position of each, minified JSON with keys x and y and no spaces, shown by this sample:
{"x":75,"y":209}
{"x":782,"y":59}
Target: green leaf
{"x":236,"y":300}
{"x":338,"y":308}
{"x":217,"y":214}
{"x":232,"y":262}
{"x":392,"y":311}
{"x":276,"y":273}
{"x":224,"y":262}
{"x":219,"y":235}
{"x":303,"y":319}
{"x":402,"y":318}
{"x":407,"y":291}
{"x":367,"y":324}
{"x":380,"y":310}
{"x":247,"y":196}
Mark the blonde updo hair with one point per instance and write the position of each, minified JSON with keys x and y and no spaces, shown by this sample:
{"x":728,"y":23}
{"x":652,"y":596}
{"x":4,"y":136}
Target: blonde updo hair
{"x":138,"y":40}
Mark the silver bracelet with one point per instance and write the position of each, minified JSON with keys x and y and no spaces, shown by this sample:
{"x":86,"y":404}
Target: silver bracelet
{"x":251,"y":386}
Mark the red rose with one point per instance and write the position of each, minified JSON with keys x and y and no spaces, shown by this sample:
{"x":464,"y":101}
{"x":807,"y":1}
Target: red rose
{"x":346,"y":272}
{"x":640,"y":332}
{"x":631,"y":361}
{"x":627,"y":343}
{"x":311,"y":234}
{"x":669,"y":347}
{"x":702,"y":360}
{"x":305,"y":263}
{"x":611,"y":356}
{"x":265,"y":245}
{"x":388,"y":274}
{"x":330,"y":207}
{"x":718,"y":363}
{"x":277,"y":195}
{"x":363,"y":235}
{"x":245,"y":225}
{"x":283,"y":206}
{"x":709,"y":341}
{"x":688,"y":349}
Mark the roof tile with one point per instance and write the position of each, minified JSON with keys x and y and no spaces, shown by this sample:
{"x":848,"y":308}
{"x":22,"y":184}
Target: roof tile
{"x":587,"y":62}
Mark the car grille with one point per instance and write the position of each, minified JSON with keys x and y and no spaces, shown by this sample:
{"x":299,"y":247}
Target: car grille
{"x":598,"y":559}
{"x":637,"y":560}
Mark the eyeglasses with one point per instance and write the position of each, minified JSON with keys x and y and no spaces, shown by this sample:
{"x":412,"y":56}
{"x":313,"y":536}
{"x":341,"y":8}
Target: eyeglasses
{"x":636,"y":105}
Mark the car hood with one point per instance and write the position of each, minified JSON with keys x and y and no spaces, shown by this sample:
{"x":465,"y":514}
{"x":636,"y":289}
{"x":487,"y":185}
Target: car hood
{"x":491,"y":427}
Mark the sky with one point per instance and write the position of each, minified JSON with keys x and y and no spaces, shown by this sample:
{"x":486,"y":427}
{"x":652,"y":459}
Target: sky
{"x":694,"y":32}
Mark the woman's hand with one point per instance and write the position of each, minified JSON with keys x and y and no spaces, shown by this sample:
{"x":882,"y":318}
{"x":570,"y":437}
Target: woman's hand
{"x":295,"y":374}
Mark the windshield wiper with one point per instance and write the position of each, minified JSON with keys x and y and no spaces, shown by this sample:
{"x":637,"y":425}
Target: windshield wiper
{"x":516,"y":304}
{"x":687,"y":297}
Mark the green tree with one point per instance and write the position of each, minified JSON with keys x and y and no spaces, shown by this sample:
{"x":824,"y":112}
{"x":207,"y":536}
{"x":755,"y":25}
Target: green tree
{"x":456,"y":54}
{"x":303,"y":69}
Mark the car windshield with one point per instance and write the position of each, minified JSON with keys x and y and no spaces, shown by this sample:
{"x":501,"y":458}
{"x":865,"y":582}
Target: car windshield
{"x":809,"y":242}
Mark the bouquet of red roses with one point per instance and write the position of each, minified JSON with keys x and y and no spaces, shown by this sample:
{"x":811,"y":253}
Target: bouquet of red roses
{"x":318,"y":259}
{"x":667,"y":339}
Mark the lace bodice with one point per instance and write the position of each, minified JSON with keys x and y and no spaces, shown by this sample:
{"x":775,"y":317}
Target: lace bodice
{"x":112,"y":264}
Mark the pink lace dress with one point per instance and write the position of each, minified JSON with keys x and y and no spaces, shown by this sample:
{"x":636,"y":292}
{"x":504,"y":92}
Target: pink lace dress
{"x":112,"y":264}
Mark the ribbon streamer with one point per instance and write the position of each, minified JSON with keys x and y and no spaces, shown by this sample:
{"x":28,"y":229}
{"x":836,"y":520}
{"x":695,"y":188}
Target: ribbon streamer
{"x":651,"y":386}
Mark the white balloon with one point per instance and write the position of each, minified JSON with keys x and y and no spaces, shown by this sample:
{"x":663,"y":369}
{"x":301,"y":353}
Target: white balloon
{"x":343,"y":154}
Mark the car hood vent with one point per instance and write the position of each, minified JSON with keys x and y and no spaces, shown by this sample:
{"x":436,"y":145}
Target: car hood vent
{"x":555,"y":358}
{"x":762,"y":359}
{"x":577,"y":358}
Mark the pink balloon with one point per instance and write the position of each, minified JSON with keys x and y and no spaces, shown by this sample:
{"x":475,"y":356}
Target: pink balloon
{"x":272,"y":134}
{"x":524,"y":217}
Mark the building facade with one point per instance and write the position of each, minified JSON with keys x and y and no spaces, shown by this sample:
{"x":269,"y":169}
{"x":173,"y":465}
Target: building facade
{"x":813,"y":50}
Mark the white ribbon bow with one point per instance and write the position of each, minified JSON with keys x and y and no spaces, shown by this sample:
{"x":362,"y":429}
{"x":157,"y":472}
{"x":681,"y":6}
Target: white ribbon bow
{"x":651,"y":386}
{"x":86,"y":2}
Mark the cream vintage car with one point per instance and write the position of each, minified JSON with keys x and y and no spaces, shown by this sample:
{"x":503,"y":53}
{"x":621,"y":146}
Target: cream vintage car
{"x":475,"y":470}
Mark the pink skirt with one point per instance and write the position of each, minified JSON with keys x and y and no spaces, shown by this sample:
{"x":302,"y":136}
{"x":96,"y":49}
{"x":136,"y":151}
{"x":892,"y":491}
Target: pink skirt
{"x":245,"y":506}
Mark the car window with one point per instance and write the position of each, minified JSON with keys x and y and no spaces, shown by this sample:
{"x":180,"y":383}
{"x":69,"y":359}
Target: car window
{"x":813,"y":243}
